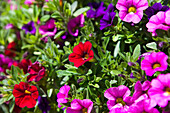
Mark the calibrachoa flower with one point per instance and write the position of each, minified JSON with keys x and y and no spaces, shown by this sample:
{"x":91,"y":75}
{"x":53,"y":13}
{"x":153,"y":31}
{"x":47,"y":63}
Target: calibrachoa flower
{"x":80,"y":106}
{"x":154,"y":62}
{"x":96,"y":10}
{"x":9,"y":51}
{"x":81,"y":54}
{"x":131,"y":10}
{"x":160,"y":90}
{"x":43,"y":104}
{"x":150,"y":11}
{"x":74,"y":23}
{"x":29,"y":28}
{"x":108,"y":17}
{"x":36,"y":71}
{"x":25,"y":95}
{"x":159,"y":21}
{"x":63,"y":95}
{"x":29,"y":2}
{"x":9,"y":26}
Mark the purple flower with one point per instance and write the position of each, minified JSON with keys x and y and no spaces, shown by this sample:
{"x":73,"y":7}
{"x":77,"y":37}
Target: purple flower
{"x":64,"y":36}
{"x":131,"y":10}
{"x":29,"y":28}
{"x":74,"y":23}
{"x":150,"y":11}
{"x":63,"y":95}
{"x":9,"y":26}
{"x":80,"y":106}
{"x":43,"y":104}
{"x":159,"y":21}
{"x":108,"y":17}
{"x":96,"y":10}
{"x":131,"y":64}
{"x":29,"y":2}
{"x":160,"y":90}
{"x":131,"y":75}
{"x":154,"y":62}
{"x":2,"y":77}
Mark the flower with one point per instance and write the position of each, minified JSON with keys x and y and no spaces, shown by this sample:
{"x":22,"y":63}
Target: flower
{"x":63,"y":95}
{"x":37,"y":72}
{"x":2,"y":77}
{"x":159,"y":21}
{"x":108,"y":17}
{"x":29,"y":2}
{"x":43,"y":104}
{"x":81,"y":54}
{"x":25,"y":95}
{"x":10,"y":49}
{"x":131,"y":10}
{"x":96,"y":10}
{"x":29,"y":28}
{"x":9,"y":26}
{"x":150,"y":11}
{"x":160,"y":90}
{"x":119,"y":99}
{"x":74,"y":23}
{"x":80,"y":106}
{"x":154,"y":62}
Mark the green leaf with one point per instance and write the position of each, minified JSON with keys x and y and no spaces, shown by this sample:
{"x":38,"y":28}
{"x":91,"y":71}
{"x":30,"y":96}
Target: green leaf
{"x":44,"y":18}
{"x":107,"y":83}
{"x":73,"y":6}
{"x":152,"y":45}
{"x":49,"y":92}
{"x":117,"y":49}
{"x":136,"y":53}
{"x":14,"y":72}
{"x":59,"y":34}
{"x":56,"y":14}
{"x":80,"y":11}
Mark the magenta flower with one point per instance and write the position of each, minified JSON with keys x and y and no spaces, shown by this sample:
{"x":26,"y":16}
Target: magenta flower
{"x":119,"y":99}
{"x":160,"y":90}
{"x":63,"y":95}
{"x":131,"y":10}
{"x":9,"y":26}
{"x":159,"y":21}
{"x":74,"y":23}
{"x":154,"y":62}
{"x":29,"y":2}
{"x":80,"y":106}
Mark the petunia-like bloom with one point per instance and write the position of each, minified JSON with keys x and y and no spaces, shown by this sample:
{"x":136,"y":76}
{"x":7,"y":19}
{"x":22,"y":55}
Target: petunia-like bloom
{"x":150,"y":11}
{"x":10,"y":49}
{"x":118,"y":99}
{"x":36,"y":71}
{"x":74,"y":23}
{"x":9,"y":26}
{"x":43,"y":104}
{"x":131,"y":10}
{"x":108,"y":17}
{"x":25,"y":95}
{"x":29,"y":2}
{"x":63,"y":95}
{"x":160,"y":90}
{"x":29,"y":28}
{"x":96,"y":10}
{"x":159,"y":21}
{"x":80,"y":106}
{"x":154,"y":62}
{"x":81,"y":54}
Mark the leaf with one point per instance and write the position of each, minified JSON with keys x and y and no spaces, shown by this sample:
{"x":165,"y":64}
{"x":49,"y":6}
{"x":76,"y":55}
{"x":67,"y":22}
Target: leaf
{"x":56,"y":14}
{"x":136,"y":53}
{"x":152,"y":45}
{"x":44,"y":18}
{"x":107,"y":83}
{"x":49,"y":92}
{"x":80,"y":11}
{"x":117,"y":49}
{"x":73,"y":7}
{"x":59,"y":34}
{"x":14,"y":72}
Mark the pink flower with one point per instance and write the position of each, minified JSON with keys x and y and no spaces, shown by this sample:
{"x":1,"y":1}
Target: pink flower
{"x":131,"y":10}
{"x":29,"y":2}
{"x":63,"y":94}
{"x":154,"y":62}
{"x":160,"y":90}
{"x":159,"y":21}
{"x":80,"y":106}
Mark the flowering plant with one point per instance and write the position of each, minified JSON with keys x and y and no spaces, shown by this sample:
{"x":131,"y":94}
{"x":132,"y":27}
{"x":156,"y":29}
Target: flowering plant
{"x":66,"y":56}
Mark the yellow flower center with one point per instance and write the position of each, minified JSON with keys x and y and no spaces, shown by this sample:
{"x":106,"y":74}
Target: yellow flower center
{"x":120,"y":100}
{"x":144,"y":112}
{"x":86,"y":56}
{"x":132,"y":9}
{"x":167,"y":90}
{"x":84,"y":110}
{"x":156,"y":65}
{"x":27,"y":92}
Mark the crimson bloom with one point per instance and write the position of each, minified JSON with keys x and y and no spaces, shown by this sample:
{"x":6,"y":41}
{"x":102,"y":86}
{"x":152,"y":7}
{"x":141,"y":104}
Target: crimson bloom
{"x":37,"y":72}
{"x":25,"y":95}
{"x":81,"y":54}
{"x":9,"y":51}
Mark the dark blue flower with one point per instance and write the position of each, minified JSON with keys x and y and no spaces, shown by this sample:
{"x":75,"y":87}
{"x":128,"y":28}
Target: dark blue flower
{"x":29,"y":28}
{"x":43,"y":104}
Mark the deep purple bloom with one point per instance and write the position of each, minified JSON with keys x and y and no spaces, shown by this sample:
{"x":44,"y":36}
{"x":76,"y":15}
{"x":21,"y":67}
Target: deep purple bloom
{"x":160,"y":90}
{"x":43,"y":104}
{"x":64,"y":36}
{"x":80,"y":106}
{"x":29,"y":28}
{"x":131,"y":75}
{"x":108,"y":17}
{"x":152,"y":10}
{"x":96,"y":10}
{"x":2,"y":77}
{"x":74,"y":23}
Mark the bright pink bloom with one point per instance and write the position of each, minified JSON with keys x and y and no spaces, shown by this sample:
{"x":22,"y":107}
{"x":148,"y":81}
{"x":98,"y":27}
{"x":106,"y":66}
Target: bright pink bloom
{"x":80,"y":106}
{"x":160,"y":90}
{"x":159,"y":21}
{"x":154,"y":62}
{"x":63,"y":94}
{"x":29,"y":2}
{"x":131,"y":10}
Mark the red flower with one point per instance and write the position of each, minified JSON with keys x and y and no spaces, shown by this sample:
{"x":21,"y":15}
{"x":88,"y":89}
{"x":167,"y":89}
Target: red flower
{"x":81,"y":54}
{"x":25,"y":95}
{"x":9,"y":51}
{"x":37,"y":72}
